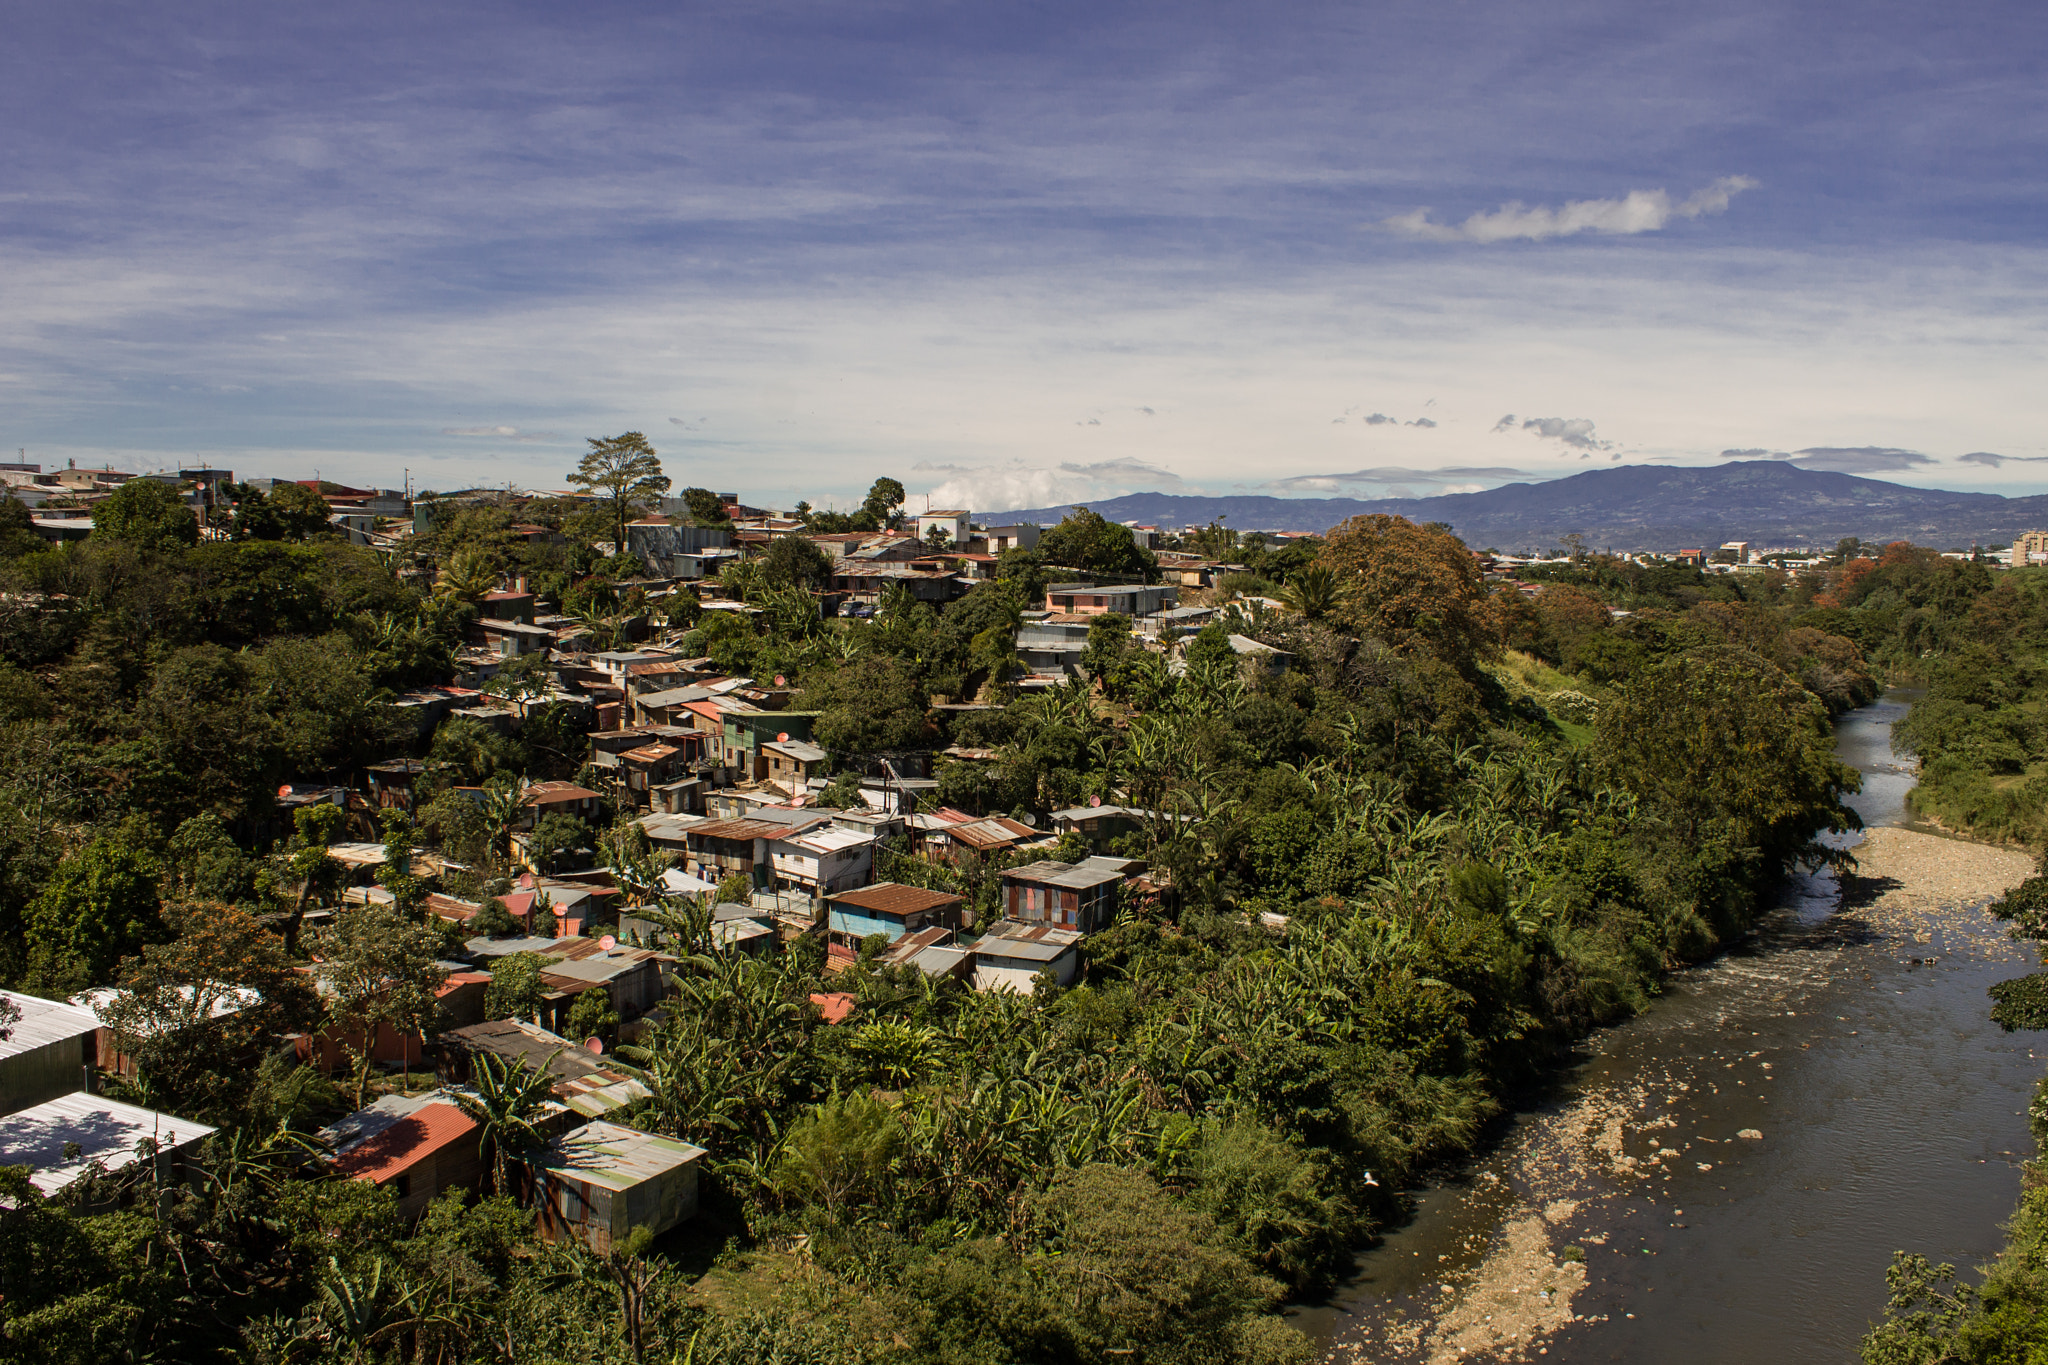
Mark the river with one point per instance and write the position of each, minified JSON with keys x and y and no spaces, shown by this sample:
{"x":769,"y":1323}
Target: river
{"x":1725,"y":1177}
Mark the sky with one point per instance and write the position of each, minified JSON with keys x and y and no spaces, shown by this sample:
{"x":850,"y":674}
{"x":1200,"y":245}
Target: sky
{"x":1023,"y":254}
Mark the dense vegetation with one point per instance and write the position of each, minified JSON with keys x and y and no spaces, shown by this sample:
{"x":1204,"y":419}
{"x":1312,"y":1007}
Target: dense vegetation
{"x":1460,"y":828}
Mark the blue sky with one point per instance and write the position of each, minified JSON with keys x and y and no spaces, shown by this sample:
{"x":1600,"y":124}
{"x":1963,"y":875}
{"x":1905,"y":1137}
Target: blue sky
{"x":1019,"y":254}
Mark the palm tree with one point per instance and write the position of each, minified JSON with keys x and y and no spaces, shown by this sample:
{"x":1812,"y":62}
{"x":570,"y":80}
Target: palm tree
{"x":504,"y":803}
{"x":466,"y":577}
{"x":506,"y":1093}
{"x":1315,"y":592}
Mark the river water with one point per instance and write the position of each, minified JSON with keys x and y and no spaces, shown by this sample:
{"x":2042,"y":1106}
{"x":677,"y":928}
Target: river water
{"x":1891,"y":1113}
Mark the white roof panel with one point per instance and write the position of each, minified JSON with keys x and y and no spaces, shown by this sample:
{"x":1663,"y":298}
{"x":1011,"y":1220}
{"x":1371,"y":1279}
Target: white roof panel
{"x":105,"y":1130}
{"x":44,"y":1022}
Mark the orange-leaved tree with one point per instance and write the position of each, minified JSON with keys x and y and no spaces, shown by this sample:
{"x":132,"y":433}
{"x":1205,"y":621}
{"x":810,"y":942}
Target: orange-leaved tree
{"x":1415,"y":588}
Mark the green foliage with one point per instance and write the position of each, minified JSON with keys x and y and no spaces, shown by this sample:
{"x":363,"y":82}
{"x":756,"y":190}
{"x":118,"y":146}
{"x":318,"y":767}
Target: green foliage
{"x":624,"y":470}
{"x":516,"y":990}
{"x":148,"y":514}
{"x":100,"y":906}
{"x":1092,"y":543}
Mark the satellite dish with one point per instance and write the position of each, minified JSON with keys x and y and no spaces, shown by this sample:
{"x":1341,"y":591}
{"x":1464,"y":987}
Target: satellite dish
{"x":595,"y":1045}
{"x":782,"y":738}
{"x":1028,"y":820}
{"x":608,"y":943}
{"x":781,"y":681}
{"x":285,"y":790}
{"x":1094,"y":801}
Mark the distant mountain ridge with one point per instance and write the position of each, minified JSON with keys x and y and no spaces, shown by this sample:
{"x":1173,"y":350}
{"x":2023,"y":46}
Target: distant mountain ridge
{"x":1627,"y":507}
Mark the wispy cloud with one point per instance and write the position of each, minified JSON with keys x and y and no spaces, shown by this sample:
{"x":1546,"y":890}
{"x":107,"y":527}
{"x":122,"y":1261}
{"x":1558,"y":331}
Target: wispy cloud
{"x":503,"y":433}
{"x":1397,"y":481}
{"x":1637,"y":211}
{"x":1576,"y":432}
{"x":1858,"y":459}
{"x":1994,"y":460}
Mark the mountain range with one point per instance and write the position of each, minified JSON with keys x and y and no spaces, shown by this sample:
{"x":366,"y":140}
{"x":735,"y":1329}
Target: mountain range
{"x":1627,"y":507}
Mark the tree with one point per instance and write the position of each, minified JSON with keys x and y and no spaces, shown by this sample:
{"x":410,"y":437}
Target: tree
{"x":795,"y":561}
{"x":492,"y":919}
{"x":100,"y":907}
{"x":1091,"y":542}
{"x":290,"y":511}
{"x":516,"y":990}
{"x":885,"y":496}
{"x":378,"y":970}
{"x":17,"y":528}
{"x":1314,"y":592}
{"x":148,"y":514}
{"x":554,"y":836}
{"x":1721,"y":737}
{"x":624,"y":470}
{"x":869,"y":706}
{"x":839,"y":1154}
{"x":193,"y":1012}
{"x":938,"y":540}
{"x":504,"y":1096}
{"x":1412,"y":587}
{"x":592,"y":1016}
{"x":706,"y":507}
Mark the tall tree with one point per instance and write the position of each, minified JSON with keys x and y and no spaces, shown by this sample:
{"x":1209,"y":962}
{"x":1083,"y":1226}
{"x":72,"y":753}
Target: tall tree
{"x":885,"y":497}
{"x":146,"y":513}
{"x":378,"y":970}
{"x":624,"y":470}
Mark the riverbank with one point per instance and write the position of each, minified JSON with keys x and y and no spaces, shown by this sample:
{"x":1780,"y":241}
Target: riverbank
{"x":1793,"y":1098}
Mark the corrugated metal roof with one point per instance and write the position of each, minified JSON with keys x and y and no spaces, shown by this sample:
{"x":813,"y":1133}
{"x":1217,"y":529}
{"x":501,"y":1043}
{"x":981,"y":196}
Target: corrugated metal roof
{"x":105,"y":1130}
{"x":894,"y":898}
{"x":1073,"y":876}
{"x":747,"y":829}
{"x":616,"y":1157}
{"x":389,"y":1149}
{"x":44,"y":1022}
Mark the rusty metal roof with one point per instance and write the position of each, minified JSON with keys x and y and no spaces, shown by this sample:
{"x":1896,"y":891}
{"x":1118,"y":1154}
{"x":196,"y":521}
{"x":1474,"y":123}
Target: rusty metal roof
{"x":894,"y":898}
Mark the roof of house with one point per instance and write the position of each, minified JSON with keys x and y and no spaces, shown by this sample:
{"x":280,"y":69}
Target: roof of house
{"x":748,"y":829}
{"x":1032,"y":942}
{"x":582,"y":1082}
{"x":833,"y":1006}
{"x":615,"y":1157}
{"x":387,"y":1144}
{"x":676,"y":696}
{"x":894,"y":898}
{"x":797,"y":749}
{"x":44,"y":1022}
{"x":651,"y":753}
{"x":1074,"y":876}
{"x":994,"y":832}
{"x":555,"y":793}
{"x":105,"y":1131}
{"x":829,"y":839}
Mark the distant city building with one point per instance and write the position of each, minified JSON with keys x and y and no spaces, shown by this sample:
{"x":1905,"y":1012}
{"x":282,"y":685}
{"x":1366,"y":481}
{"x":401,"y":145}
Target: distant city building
{"x":2030,"y":548}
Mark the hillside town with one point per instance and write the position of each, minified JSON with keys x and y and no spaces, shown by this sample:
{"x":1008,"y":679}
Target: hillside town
{"x":589,"y":767}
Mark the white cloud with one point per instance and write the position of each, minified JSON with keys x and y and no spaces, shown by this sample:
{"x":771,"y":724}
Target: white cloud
{"x":1638,"y":211}
{"x":503,"y":433}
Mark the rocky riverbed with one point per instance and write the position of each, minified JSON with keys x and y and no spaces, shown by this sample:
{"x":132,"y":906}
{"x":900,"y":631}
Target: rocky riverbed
{"x":1761,"y":1078}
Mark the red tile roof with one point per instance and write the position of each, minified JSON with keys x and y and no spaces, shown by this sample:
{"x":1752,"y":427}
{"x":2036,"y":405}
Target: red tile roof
{"x":395,"y":1150}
